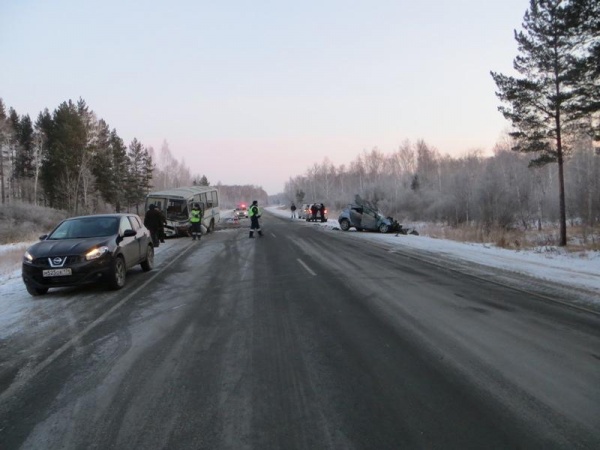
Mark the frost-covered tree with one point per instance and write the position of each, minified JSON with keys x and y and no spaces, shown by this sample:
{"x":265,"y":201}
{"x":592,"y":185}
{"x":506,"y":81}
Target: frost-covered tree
{"x":5,"y":136}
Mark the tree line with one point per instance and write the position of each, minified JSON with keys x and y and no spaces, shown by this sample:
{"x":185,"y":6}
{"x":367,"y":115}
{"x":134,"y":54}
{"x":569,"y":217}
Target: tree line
{"x":70,"y":160}
{"x":417,"y":183}
{"x":553,"y":108}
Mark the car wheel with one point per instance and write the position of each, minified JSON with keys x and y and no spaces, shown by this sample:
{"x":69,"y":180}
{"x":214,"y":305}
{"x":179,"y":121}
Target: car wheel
{"x":211,"y":228}
{"x":383,"y":228}
{"x":345,"y":224}
{"x":119,"y":271}
{"x":148,"y":263}
{"x":35,"y":291}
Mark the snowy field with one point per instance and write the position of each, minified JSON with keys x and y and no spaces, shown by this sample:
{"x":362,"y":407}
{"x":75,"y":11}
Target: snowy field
{"x":577,"y":270}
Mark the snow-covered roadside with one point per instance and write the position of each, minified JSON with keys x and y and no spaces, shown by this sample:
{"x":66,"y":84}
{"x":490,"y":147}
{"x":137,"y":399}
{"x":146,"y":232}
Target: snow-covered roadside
{"x":10,"y":257}
{"x":580,"y":269}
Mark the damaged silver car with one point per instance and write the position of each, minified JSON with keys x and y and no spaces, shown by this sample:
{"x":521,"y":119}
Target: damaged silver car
{"x":363,"y":217}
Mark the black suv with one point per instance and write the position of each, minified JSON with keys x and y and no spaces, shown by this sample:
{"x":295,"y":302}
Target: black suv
{"x":88,"y":249}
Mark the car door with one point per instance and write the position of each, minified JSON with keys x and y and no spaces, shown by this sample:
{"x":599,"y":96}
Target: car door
{"x":130,"y":245}
{"x":369,"y":219}
{"x":355,"y":216}
{"x":141,"y":234}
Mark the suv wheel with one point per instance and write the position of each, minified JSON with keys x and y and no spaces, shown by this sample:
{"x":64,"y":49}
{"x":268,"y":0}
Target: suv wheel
{"x":119,"y":271}
{"x":345,"y":224}
{"x":148,"y":263}
{"x":383,"y":228}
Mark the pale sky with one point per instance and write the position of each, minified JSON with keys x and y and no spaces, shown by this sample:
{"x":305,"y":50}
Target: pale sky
{"x":256,"y":92}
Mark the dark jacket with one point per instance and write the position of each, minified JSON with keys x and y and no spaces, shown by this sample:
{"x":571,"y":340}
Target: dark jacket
{"x":154,"y":220}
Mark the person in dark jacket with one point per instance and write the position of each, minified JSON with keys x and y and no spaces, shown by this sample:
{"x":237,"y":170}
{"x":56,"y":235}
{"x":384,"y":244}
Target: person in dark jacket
{"x":313,"y":212}
{"x":153,"y":220}
{"x":293,"y":208}
{"x":254,"y":214}
{"x":322,"y":211}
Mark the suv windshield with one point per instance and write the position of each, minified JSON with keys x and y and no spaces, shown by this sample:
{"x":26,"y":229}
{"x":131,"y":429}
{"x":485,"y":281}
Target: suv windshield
{"x":86,"y":228}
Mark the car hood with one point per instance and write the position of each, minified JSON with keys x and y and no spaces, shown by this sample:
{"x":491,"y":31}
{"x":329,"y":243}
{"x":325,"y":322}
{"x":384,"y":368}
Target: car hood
{"x":68,"y":246}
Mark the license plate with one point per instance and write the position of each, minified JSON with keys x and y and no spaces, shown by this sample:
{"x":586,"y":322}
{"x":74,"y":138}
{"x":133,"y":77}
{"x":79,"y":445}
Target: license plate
{"x":57,"y":272}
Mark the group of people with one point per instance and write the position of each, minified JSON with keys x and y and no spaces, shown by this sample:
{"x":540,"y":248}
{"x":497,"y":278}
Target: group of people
{"x":315,"y":209}
{"x":155,"y":221}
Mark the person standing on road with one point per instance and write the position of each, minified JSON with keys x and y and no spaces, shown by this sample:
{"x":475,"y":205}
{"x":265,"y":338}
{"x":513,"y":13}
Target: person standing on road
{"x":313,"y":212}
{"x":195,"y":220}
{"x":153,"y":220}
{"x":254,"y":214}
{"x":322,"y":212}
{"x":293,"y":208}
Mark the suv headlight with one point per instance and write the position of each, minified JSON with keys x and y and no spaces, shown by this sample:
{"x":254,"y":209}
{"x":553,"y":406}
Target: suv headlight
{"x":96,"y":253}
{"x":27,"y":257}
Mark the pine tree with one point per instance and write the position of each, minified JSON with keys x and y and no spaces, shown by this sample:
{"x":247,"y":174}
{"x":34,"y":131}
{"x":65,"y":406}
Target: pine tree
{"x":66,"y":147}
{"x":547,"y":104}
{"x":140,"y":173}
{"x":119,"y":177}
{"x":43,"y":128}
{"x":102,"y":164}
{"x":14,"y":126}
{"x":585,"y":16}
{"x":24,"y":158}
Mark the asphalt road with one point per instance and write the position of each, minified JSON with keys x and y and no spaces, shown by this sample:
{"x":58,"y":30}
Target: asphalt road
{"x":301,"y":339}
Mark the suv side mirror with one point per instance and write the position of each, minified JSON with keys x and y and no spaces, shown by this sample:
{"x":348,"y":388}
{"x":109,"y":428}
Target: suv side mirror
{"x":129,"y":233}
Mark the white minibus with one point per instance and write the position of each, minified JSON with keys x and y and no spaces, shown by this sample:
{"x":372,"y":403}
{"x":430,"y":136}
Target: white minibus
{"x":176,"y":203}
